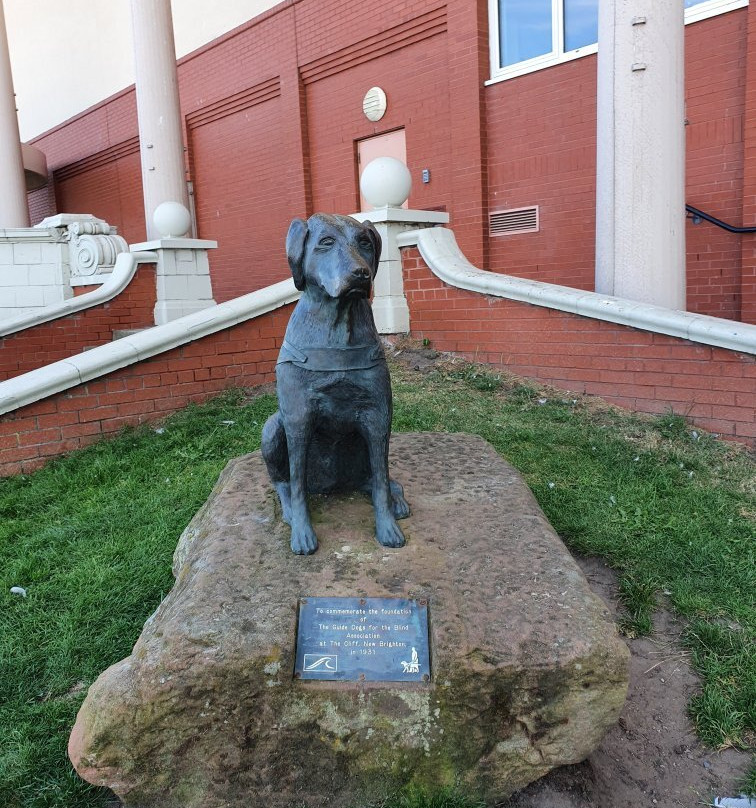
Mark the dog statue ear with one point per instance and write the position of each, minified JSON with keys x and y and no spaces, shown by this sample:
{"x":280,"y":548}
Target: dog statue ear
{"x":377,"y":244}
{"x":295,"y":247}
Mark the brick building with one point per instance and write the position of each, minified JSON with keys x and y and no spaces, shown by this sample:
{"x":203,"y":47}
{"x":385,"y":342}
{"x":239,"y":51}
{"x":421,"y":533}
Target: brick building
{"x":500,"y":115}
{"x":495,"y":110}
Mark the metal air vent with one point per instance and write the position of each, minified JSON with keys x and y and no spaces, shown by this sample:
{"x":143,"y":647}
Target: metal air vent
{"x":516,"y":220}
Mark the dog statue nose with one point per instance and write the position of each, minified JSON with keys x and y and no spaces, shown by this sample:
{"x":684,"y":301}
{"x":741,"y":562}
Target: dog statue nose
{"x":361,"y":272}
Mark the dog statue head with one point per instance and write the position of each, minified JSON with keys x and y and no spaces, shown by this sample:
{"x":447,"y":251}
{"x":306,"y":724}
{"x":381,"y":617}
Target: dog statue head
{"x":336,"y":255}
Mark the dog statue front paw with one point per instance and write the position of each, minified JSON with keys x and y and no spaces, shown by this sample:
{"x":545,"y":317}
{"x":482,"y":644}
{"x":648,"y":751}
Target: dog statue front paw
{"x":389,"y":534}
{"x":303,"y":540}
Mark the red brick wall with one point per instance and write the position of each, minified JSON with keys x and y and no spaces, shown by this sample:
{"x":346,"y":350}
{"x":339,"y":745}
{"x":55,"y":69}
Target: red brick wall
{"x":748,"y":242}
{"x":42,"y":202}
{"x":628,"y":367}
{"x":470,"y":135}
{"x":94,"y":162}
{"x":542,"y":151}
{"x":259,"y":157}
{"x":241,"y":101}
{"x":108,"y":185}
{"x":714,"y":92}
{"x":49,"y":342}
{"x":336,"y":122}
{"x":149,"y":390}
{"x":248,"y":219}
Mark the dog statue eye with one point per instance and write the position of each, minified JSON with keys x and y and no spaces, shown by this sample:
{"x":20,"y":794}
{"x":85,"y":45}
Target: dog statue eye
{"x":366,"y":244}
{"x":326,"y":241}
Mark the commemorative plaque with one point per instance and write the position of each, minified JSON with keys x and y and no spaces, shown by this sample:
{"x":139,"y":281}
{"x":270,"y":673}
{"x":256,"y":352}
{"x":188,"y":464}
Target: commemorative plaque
{"x":363,"y":639}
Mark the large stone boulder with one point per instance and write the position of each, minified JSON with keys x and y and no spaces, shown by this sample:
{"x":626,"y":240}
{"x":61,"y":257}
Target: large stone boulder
{"x":527,"y":670}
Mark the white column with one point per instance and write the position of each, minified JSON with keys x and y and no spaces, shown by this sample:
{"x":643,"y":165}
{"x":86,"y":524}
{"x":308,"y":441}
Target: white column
{"x":640,"y":166}
{"x":14,"y":211}
{"x":160,"y":136}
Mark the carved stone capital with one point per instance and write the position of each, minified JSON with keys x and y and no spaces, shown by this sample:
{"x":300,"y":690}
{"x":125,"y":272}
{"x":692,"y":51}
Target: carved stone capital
{"x":93,"y":243}
{"x":94,"y":253}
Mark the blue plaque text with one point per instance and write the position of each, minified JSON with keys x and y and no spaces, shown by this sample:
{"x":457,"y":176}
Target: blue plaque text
{"x":363,"y":639}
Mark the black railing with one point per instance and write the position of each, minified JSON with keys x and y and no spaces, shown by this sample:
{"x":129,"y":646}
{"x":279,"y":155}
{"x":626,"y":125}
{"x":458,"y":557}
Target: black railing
{"x":697,"y":215}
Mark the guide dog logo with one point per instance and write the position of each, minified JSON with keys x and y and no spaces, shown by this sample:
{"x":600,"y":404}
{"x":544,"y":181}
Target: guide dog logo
{"x":413,"y":666}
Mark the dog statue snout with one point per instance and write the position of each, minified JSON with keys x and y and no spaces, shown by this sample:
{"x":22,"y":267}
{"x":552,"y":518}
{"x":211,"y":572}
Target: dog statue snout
{"x":361,"y":272}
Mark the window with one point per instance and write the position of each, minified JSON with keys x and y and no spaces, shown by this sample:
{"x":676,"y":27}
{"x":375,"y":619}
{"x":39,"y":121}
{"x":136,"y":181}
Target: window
{"x":528,"y":35}
{"x":537,"y":29}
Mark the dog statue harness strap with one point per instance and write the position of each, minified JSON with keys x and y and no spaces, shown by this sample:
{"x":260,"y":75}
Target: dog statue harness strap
{"x":353,"y":357}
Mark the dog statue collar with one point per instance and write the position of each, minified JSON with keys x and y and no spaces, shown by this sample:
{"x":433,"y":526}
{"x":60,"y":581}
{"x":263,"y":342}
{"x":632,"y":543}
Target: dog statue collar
{"x":352,"y":357}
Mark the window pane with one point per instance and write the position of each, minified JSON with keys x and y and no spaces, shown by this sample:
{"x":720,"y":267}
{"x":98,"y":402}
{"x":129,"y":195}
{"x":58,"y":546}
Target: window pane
{"x":689,"y":3}
{"x":524,"y":30}
{"x":580,"y":23}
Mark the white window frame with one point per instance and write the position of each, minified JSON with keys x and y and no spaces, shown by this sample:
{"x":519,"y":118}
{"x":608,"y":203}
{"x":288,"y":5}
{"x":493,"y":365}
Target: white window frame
{"x":702,"y":11}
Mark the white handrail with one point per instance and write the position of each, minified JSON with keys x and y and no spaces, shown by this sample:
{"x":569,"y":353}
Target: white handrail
{"x":123,"y":271}
{"x":58,"y":376}
{"x":441,"y":253}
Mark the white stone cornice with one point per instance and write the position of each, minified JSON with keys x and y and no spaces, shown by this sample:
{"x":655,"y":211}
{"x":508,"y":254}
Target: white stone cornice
{"x":440,"y":251}
{"x":125,"y":266}
{"x":32,"y":234}
{"x":46,"y":381}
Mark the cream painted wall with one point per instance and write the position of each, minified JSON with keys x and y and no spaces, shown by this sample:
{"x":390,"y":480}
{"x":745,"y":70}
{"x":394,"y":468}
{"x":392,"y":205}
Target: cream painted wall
{"x":67,"y":56}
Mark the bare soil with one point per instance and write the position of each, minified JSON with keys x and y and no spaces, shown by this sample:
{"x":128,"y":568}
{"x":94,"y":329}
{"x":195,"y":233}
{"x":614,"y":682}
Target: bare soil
{"x":652,"y":756}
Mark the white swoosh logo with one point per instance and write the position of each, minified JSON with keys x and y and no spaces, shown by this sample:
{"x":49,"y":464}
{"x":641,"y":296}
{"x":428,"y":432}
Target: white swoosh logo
{"x":324,"y":662}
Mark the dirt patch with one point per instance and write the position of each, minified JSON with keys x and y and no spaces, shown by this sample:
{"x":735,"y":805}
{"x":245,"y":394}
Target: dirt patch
{"x":652,"y":756}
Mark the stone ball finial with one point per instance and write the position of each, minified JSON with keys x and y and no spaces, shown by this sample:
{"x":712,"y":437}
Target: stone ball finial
{"x":172,"y":220}
{"x":386,"y":182}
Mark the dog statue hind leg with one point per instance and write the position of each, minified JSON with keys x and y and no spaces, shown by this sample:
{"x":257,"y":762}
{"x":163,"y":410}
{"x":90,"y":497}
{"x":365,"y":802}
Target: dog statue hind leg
{"x":276,"y":456}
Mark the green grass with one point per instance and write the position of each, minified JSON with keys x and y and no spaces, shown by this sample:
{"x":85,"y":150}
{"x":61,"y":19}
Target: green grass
{"x":445,"y":798}
{"x":91,"y":538}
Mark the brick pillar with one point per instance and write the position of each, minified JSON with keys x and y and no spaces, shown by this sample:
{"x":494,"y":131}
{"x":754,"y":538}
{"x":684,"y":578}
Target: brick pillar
{"x":468,"y":69}
{"x":294,"y":99}
{"x":748,"y":241}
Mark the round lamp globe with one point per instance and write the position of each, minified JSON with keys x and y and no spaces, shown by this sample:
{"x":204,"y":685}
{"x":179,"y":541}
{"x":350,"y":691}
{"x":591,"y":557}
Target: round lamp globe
{"x":171,"y":219}
{"x":386,"y":182}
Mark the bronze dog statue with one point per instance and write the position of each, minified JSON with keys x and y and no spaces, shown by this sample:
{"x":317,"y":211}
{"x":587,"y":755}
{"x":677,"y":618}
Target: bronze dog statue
{"x":331,"y":431}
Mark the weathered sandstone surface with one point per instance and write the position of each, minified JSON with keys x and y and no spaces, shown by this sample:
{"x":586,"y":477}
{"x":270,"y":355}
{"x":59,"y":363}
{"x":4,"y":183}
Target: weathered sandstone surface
{"x":527,"y":669}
